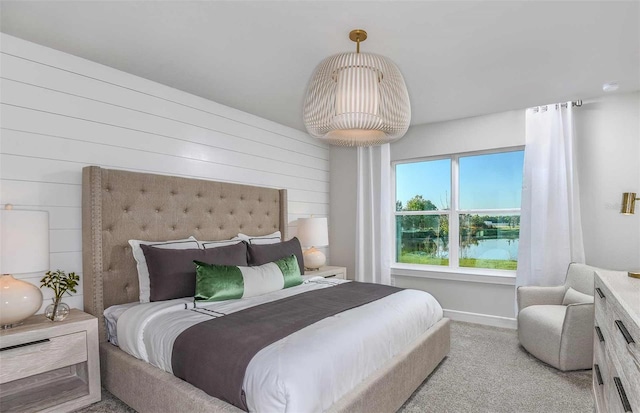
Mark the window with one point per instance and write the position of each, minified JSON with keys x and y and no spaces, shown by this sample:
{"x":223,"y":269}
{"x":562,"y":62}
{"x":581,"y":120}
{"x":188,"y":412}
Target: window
{"x":459,"y":211}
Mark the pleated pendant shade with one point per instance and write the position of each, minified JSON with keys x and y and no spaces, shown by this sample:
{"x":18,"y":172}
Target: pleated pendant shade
{"x":357,"y":99}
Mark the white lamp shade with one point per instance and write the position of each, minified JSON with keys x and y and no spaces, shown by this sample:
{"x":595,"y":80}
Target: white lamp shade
{"x":24,"y":246}
{"x":357,"y":99}
{"x":313,"y":232}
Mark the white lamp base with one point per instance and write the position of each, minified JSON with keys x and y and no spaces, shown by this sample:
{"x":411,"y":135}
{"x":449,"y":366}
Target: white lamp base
{"x":313,"y":259}
{"x":18,"y":300}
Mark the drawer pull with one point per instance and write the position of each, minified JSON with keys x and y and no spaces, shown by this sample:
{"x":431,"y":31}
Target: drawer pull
{"x":330,"y":276}
{"x":600,"y":293}
{"x":32,"y":343}
{"x":624,"y":332}
{"x":596,"y":368}
{"x":622,"y":394}
{"x":599,"y":333}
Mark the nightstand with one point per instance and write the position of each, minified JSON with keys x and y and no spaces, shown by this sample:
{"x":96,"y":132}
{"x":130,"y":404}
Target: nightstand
{"x":50,"y":366}
{"x":329,"y":272}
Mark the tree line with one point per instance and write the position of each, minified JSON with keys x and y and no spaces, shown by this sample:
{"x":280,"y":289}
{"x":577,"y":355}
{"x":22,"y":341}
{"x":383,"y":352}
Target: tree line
{"x":438,"y":225}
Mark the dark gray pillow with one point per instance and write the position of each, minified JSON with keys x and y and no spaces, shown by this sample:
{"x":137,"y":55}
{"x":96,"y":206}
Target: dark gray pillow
{"x":260,"y":254}
{"x":173,"y":274}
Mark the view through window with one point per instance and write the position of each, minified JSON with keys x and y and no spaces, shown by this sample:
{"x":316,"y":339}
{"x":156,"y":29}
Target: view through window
{"x":460,"y":211}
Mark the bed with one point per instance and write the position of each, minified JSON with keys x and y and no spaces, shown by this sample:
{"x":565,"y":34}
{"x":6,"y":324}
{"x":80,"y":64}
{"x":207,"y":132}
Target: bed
{"x":122,"y":205}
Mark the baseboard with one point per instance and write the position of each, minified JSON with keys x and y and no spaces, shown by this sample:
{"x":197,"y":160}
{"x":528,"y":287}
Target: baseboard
{"x":484,"y":319}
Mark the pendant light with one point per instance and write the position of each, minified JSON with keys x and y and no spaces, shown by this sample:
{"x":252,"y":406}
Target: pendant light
{"x":357,"y":99}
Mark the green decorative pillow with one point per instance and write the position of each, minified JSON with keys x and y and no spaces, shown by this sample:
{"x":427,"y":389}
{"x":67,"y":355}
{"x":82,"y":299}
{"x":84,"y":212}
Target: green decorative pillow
{"x":226,"y":282}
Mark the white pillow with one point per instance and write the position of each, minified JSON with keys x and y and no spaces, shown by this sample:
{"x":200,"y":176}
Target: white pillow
{"x":576,"y":297}
{"x":222,"y":243}
{"x":141,"y":262}
{"x":274,"y":238}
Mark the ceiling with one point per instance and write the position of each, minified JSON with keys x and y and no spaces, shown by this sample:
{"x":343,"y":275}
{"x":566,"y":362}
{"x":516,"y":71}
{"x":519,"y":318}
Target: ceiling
{"x":459,"y":59}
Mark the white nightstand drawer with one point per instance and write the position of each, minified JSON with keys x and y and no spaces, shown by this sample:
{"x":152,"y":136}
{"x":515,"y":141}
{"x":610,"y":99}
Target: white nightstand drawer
{"x":37,"y":357}
{"x":328,"y":272}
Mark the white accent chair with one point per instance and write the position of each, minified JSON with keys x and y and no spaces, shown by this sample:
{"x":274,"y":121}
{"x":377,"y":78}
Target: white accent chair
{"x":558,"y":334}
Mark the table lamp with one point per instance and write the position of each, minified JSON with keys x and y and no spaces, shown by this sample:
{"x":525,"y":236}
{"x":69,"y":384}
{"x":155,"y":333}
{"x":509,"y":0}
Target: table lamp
{"x":312,"y":233}
{"x":24,"y":248}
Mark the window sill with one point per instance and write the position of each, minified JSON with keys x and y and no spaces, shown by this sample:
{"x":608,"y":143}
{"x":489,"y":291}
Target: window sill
{"x":476,"y":275}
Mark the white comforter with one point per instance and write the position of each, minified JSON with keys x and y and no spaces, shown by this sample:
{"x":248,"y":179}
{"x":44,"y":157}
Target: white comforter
{"x":310,"y":369}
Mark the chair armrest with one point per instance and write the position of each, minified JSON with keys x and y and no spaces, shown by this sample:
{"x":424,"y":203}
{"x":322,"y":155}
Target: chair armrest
{"x":576,"y":343}
{"x":533,"y":295}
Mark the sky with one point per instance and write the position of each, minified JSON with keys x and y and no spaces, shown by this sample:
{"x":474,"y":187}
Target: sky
{"x":491,"y":181}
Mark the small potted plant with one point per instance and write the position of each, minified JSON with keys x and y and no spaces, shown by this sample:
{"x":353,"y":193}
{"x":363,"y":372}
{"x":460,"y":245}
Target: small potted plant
{"x":60,"y":282}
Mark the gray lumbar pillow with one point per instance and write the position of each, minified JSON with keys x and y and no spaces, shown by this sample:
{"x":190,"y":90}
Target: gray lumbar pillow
{"x":576,"y":297}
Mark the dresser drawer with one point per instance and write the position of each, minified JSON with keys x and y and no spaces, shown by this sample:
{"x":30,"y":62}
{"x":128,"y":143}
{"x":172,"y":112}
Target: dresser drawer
{"x":618,"y":392}
{"x":604,"y":301}
{"x":617,"y":311}
{"x":602,"y":323}
{"x":26,"y":359}
{"x":616,"y":323}
{"x":612,"y":398}
{"x":600,"y":373}
{"x":625,"y":344}
{"x":601,"y":293}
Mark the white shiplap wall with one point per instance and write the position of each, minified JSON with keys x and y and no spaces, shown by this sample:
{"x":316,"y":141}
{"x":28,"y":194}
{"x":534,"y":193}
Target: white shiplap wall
{"x":60,"y":113}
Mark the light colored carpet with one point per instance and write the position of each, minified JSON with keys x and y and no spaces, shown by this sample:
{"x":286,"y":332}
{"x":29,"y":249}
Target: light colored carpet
{"x":487,"y":371}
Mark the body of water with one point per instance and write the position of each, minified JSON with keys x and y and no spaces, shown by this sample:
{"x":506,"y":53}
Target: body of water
{"x":492,"y":249}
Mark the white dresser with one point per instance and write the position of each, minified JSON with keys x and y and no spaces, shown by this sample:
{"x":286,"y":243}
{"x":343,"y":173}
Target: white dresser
{"x":616,"y":352}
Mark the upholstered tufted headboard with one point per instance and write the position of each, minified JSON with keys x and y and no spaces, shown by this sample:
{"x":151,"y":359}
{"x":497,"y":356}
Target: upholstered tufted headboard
{"x":120,"y":205}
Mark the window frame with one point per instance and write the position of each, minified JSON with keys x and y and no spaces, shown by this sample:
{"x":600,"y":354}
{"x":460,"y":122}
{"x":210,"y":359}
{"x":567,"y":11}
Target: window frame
{"x":454,"y":221}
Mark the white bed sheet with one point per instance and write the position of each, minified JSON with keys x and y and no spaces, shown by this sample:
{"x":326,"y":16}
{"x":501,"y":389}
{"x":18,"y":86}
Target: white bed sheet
{"x":111,"y":316}
{"x":337,"y":353}
{"x":113,"y":313}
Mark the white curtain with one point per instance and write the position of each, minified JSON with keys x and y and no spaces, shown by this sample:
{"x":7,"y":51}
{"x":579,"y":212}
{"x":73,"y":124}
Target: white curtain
{"x":373,"y":215}
{"x":550,"y":227}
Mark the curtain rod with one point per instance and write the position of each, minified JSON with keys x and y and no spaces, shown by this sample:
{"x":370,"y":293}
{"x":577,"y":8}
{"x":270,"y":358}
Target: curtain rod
{"x":575,"y":103}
